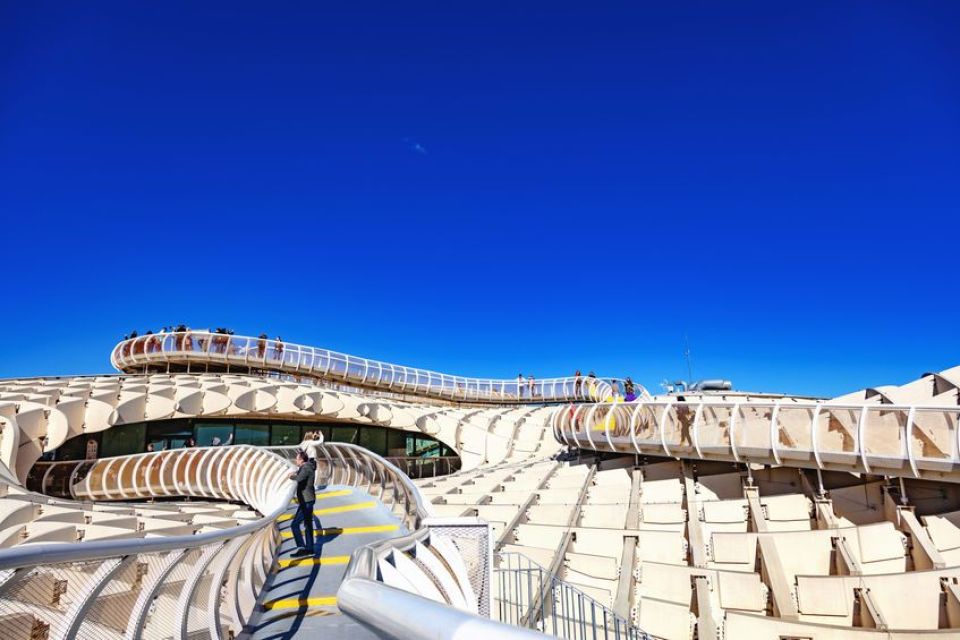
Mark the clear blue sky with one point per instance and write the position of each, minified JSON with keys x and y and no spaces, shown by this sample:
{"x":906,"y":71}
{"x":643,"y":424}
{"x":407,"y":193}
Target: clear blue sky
{"x":491,"y":187}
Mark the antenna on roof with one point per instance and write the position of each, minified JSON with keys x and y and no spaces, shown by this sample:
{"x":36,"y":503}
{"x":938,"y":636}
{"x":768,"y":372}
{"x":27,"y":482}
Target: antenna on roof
{"x":686,"y":354}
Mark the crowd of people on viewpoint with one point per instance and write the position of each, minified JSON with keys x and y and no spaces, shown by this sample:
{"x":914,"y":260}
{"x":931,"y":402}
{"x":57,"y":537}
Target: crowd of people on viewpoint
{"x":186,"y":339}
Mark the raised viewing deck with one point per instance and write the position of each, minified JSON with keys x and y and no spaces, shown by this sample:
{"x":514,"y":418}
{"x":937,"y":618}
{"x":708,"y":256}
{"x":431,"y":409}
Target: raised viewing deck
{"x":199,"y":351}
{"x":912,"y":440}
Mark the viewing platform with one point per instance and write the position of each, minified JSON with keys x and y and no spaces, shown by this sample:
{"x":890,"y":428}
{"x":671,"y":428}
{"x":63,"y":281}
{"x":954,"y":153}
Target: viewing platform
{"x":899,"y":440}
{"x":204,"y":351}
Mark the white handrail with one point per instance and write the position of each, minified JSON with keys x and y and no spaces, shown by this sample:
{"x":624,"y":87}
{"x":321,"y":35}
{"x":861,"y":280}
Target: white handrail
{"x":867,"y":438}
{"x":34,"y":554}
{"x":205,"y":348}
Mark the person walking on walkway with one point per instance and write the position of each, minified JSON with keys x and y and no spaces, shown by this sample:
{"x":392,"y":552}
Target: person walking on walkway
{"x":304,"y":476}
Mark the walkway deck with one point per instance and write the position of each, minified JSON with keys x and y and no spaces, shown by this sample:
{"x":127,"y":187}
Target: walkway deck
{"x":300,"y":598}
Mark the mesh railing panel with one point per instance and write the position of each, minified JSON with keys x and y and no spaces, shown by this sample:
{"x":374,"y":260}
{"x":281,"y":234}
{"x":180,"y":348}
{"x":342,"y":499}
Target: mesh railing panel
{"x":161,"y":621}
{"x":110,"y":611}
{"x":527,"y":595}
{"x":474,"y":542}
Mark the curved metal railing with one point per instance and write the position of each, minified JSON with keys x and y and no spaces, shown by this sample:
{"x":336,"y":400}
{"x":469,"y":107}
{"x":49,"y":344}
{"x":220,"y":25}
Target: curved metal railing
{"x":349,"y":464}
{"x":207,"y":585}
{"x":886,"y":439}
{"x":433,"y":553}
{"x":531,"y":596}
{"x":189,"y":585}
{"x":466,"y":602}
{"x":201,"y":349}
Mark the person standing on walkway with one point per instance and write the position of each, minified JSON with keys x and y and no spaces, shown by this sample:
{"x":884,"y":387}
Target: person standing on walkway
{"x":311,"y":444}
{"x":304,"y":476}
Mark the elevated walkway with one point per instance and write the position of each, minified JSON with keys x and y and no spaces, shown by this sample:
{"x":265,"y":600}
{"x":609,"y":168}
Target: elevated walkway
{"x":300,"y":596}
{"x":202,"y":351}
{"x":908,"y":440}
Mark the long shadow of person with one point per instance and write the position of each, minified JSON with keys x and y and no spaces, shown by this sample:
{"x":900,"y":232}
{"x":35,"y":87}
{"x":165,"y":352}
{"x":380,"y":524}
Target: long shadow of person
{"x":296,"y":579}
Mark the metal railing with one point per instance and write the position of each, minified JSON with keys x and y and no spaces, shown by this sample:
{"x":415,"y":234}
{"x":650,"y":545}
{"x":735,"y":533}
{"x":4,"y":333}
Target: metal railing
{"x":450,"y":557}
{"x":350,"y":464}
{"x":921,"y":441}
{"x":528,"y":595}
{"x":203,"y":585}
{"x":430,"y":467}
{"x":207,"y":585}
{"x":203,"y":349}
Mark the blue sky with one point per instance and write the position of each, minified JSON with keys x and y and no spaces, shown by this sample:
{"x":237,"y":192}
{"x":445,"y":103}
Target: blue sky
{"x":487,"y":188}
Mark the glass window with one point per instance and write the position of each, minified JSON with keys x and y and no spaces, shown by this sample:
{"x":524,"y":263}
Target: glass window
{"x":74,"y":448}
{"x":214,"y":433}
{"x":285,"y":435}
{"x":396,"y":443}
{"x":344,"y":434}
{"x":374,"y":439}
{"x":326,"y":431}
{"x":422,"y":446}
{"x":159,"y":444}
{"x":253,"y":433}
{"x":123,"y":440}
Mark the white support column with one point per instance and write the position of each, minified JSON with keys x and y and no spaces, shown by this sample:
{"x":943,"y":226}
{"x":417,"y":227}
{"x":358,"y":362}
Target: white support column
{"x":861,"y":437}
{"x":612,"y":417}
{"x":908,"y":441}
{"x":661,"y":427}
{"x":695,"y":430}
{"x":634,"y":418}
{"x":775,"y":431}
{"x":589,"y":425}
{"x":123,"y":490}
{"x":734,"y":412}
{"x":814,"y":436}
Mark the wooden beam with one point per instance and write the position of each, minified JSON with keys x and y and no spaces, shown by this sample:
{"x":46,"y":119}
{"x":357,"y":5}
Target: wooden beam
{"x":623,"y":601}
{"x":784,"y":604}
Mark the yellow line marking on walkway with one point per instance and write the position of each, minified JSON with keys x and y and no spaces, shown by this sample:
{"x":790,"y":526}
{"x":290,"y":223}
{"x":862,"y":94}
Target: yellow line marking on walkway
{"x":329,"y":494}
{"x":334,"y":494}
{"x":341,"y":509}
{"x":296,"y":562}
{"x":346,"y":531}
{"x":299,"y":603}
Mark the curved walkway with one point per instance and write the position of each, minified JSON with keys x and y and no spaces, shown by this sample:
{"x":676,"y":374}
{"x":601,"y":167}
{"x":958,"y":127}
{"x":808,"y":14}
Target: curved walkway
{"x":204,"y":351}
{"x":299,"y":598}
{"x":913,"y":440}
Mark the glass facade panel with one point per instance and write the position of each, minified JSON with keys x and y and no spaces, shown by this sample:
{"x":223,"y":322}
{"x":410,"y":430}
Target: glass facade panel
{"x":285,"y":435}
{"x":74,"y":448}
{"x":123,"y":440}
{"x":256,"y":433}
{"x":374,"y":439}
{"x":396,"y":443}
{"x":213,"y":433}
{"x":344,"y":434}
{"x":422,"y":446}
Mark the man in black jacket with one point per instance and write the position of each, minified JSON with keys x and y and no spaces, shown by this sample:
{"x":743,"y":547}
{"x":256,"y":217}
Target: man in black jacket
{"x":305,"y":477}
